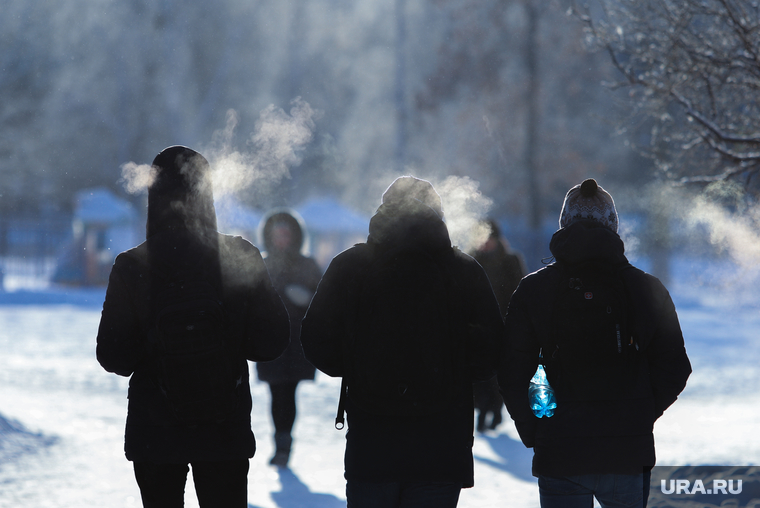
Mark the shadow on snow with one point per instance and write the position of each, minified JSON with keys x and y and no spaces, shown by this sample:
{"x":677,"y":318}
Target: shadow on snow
{"x":16,"y":440}
{"x":295,"y":494}
{"x":516,"y":459}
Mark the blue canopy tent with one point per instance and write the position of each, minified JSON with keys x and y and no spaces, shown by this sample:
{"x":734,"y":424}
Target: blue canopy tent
{"x":103,"y":226}
{"x":332,"y":226}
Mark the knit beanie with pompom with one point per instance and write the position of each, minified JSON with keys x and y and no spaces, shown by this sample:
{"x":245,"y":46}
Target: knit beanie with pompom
{"x":589,"y":201}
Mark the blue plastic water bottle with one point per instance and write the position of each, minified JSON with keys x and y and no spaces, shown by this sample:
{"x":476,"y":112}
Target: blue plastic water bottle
{"x":541,"y":394}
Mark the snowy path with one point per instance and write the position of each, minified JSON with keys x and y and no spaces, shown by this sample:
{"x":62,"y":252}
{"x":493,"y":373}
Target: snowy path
{"x":51,"y":384}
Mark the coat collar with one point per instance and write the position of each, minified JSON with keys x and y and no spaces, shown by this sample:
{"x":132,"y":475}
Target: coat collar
{"x":587,"y":241}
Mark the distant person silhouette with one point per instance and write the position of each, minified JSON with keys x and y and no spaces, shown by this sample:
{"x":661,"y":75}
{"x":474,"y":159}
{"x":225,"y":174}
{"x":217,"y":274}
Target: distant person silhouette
{"x":183,"y":312}
{"x":409,"y":322}
{"x":295,"y":277}
{"x":505,"y":268}
{"x":609,"y":338}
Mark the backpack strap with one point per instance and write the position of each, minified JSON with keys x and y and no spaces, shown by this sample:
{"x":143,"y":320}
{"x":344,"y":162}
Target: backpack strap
{"x":340,"y":417}
{"x":369,"y":250}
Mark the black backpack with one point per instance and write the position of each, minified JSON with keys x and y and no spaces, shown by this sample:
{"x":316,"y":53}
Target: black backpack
{"x":192,"y":360}
{"x":402,"y":349}
{"x":592,"y":354}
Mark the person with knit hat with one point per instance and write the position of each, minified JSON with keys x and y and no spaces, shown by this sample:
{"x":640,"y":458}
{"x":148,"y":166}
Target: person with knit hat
{"x":407,"y":389}
{"x":599,"y":442}
{"x":185,"y":259}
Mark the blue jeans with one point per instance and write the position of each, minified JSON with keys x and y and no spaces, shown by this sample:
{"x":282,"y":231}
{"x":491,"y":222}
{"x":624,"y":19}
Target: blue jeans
{"x":611,"y":490}
{"x":402,"y":494}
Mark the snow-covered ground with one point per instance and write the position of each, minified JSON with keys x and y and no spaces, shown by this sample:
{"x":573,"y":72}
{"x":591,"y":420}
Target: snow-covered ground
{"x":62,"y":416}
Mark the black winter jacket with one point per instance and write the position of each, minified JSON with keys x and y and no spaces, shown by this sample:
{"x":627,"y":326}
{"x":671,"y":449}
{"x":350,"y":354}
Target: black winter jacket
{"x":435,"y":447}
{"x":593,"y":437}
{"x":258,"y":331}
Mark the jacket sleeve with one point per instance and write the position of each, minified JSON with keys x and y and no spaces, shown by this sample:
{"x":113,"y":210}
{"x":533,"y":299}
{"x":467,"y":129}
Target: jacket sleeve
{"x":659,"y":334}
{"x":312,"y":275}
{"x":518,"y":363}
{"x":261,"y":317}
{"x":485,"y":327}
{"x":326,"y":323}
{"x":119,"y":345}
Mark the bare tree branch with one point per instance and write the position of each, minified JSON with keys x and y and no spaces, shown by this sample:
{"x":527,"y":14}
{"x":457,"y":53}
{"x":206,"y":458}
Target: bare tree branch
{"x":731,"y":154}
{"x":715,"y":129}
{"x":727,"y":175}
{"x":693,"y":67}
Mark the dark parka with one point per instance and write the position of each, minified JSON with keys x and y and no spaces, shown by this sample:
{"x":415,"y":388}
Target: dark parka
{"x":257,"y":320}
{"x":435,"y":447}
{"x":295,"y":277}
{"x":585,"y":437}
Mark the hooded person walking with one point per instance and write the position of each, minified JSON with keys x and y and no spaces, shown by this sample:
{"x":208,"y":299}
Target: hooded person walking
{"x":408,"y":322}
{"x":295,"y":277}
{"x":183,"y":312}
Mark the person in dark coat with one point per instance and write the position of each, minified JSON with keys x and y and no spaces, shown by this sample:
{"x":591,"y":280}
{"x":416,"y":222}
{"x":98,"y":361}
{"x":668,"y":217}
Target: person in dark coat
{"x":182,"y":238}
{"x":602,"y":448}
{"x":295,"y":277}
{"x":505,"y":268}
{"x":392,"y":460}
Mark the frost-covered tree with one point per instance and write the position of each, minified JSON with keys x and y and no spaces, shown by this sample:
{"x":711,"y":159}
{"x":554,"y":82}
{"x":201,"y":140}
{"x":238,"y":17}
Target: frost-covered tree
{"x":136,"y":76}
{"x":25,"y":81}
{"x":89,"y":85}
{"x":691,"y":68}
{"x":517,"y":102}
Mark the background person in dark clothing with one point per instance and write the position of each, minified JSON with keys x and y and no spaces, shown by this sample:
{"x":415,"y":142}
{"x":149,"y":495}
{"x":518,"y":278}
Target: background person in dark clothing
{"x":295,"y":277}
{"x":505,"y":268}
{"x":592,"y":446}
{"x":422,"y":459}
{"x":182,"y":238}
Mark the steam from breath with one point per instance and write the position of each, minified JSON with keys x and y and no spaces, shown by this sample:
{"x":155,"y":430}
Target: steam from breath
{"x":733,"y":232}
{"x":273,"y":147}
{"x":464,"y":208}
{"x":136,"y":178}
{"x":719,"y":216}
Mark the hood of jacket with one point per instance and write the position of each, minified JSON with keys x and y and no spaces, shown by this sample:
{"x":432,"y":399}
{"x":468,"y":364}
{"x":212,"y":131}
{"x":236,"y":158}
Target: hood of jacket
{"x":283,"y":217}
{"x":587,"y":241}
{"x":411,"y":224}
{"x":180,"y":199}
